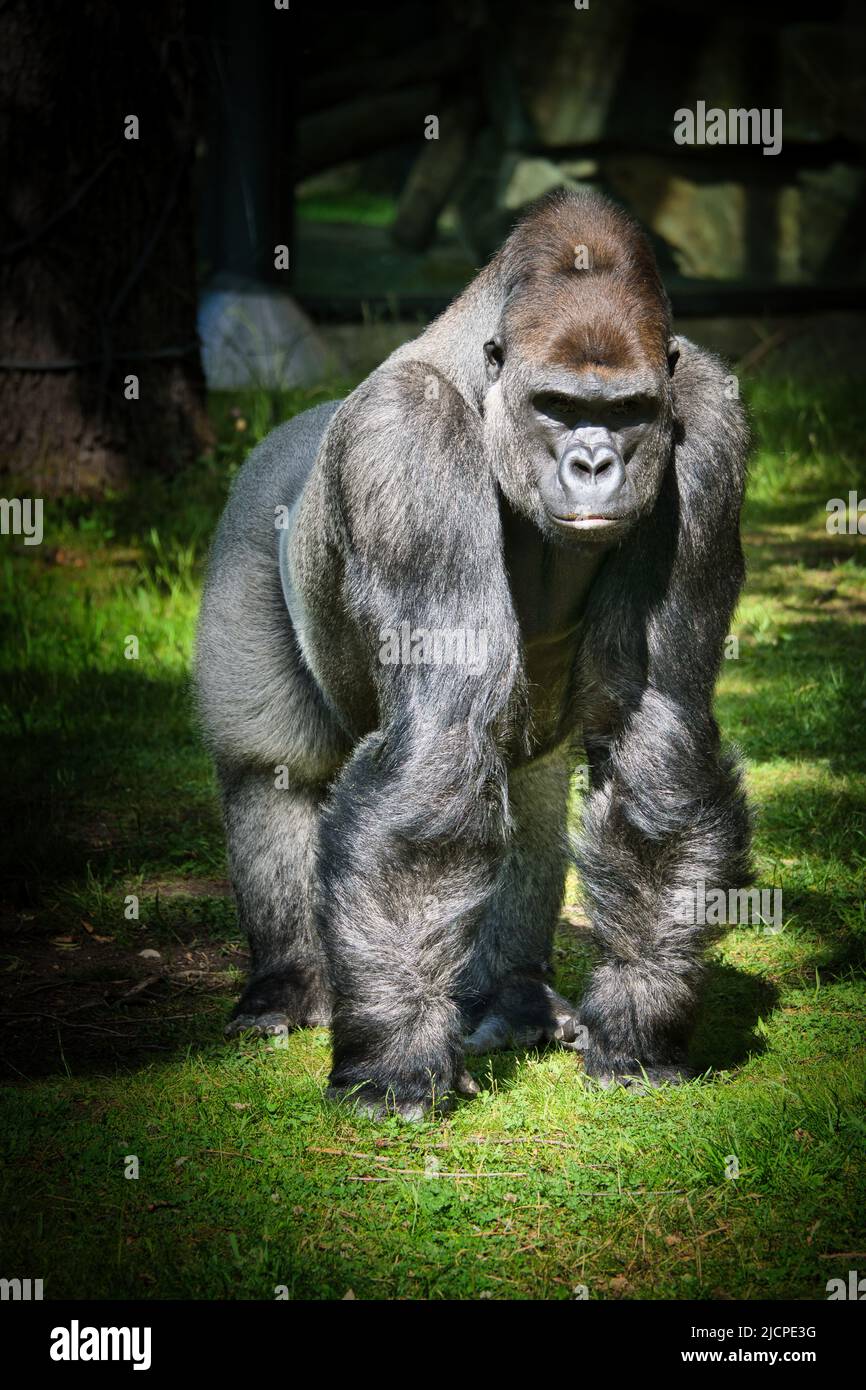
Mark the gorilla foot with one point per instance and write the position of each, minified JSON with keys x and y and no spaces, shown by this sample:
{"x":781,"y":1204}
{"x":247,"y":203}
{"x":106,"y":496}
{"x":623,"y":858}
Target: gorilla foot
{"x":374,"y":1105}
{"x":633,"y":1077}
{"x":524,"y":1014}
{"x":278,"y":1003}
{"x":262,"y":1025}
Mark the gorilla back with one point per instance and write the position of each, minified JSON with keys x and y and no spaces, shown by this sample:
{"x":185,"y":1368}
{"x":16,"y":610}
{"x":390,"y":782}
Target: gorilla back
{"x":519,"y":535}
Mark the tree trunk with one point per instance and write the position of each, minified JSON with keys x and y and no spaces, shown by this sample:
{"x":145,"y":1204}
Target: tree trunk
{"x":97,"y":260}
{"x":433,"y":176}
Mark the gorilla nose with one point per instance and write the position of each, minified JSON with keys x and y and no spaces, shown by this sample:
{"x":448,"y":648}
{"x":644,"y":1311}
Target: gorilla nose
{"x":597,"y":471}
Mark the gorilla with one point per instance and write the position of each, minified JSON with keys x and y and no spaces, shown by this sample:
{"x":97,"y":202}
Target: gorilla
{"x":518,"y":537}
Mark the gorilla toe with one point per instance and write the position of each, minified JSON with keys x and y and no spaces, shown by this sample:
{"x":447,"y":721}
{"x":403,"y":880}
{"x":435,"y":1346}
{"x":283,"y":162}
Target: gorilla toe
{"x":639,"y":1079}
{"x":372,"y":1103}
{"x":261,"y":1025}
{"x":277,"y":1003}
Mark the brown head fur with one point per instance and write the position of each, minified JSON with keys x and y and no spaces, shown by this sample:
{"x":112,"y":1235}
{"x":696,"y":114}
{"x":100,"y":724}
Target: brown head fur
{"x":612,"y":315}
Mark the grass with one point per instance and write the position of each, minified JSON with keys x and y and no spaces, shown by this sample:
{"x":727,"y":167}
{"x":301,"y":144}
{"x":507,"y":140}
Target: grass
{"x":356,"y":207}
{"x":746,"y":1183}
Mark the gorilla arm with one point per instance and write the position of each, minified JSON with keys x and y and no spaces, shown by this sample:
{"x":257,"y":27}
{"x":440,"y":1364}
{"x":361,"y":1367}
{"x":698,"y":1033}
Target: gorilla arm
{"x":666,"y":807}
{"x":414,"y":832}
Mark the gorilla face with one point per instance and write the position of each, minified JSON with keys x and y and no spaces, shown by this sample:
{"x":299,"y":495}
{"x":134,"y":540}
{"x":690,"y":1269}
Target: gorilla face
{"x":588,"y":444}
{"x":592,"y":443}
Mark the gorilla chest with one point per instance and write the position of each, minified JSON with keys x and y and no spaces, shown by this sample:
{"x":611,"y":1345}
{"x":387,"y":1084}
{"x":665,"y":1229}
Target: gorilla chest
{"x":549,"y":586}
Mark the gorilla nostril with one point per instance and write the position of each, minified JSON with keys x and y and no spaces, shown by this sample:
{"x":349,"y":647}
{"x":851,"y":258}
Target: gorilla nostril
{"x":602,"y":466}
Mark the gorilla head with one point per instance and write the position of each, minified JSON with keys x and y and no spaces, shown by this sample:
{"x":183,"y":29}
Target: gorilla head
{"x":579,"y":410}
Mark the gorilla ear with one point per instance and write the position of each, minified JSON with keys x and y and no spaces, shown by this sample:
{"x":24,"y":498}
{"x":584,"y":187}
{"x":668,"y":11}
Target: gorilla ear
{"x":495,"y":355}
{"x":673,"y":354}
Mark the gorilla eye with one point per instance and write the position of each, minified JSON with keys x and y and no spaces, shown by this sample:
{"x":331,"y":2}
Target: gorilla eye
{"x":555,"y":405}
{"x":633,"y":411}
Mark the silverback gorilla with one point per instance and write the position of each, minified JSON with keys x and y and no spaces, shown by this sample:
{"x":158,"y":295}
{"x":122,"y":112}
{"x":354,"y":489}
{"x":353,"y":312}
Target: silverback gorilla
{"x":548,"y":480}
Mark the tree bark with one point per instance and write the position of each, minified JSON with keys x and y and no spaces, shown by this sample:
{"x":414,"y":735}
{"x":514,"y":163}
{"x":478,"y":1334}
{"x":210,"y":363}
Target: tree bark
{"x":97,"y":258}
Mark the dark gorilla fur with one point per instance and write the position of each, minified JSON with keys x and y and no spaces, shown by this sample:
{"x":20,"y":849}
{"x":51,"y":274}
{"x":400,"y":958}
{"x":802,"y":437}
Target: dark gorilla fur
{"x":397,"y":832}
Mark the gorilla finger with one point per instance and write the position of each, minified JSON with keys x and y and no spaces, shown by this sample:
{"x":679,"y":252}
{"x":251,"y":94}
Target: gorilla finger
{"x":466,"y":1085}
{"x":651,"y":1078}
{"x":377,"y":1107}
{"x":642,"y":1080}
{"x":492,"y":1033}
{"x":257,"y":1025}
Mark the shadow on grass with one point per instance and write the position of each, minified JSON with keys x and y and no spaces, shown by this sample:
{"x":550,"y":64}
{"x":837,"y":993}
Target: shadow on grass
{"x":107,"y":773}
{"x":108,"y":793}
{"x":733,"y":1003}
{"x":732,"y":1006}
{"x":100,"y":1006}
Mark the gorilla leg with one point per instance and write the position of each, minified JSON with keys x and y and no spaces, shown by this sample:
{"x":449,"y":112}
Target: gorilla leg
{"x":506,"y":995}
{"x":272,"y":838}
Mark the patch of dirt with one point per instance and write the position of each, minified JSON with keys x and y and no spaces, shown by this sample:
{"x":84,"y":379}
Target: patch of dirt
{"x":78,"y":1000}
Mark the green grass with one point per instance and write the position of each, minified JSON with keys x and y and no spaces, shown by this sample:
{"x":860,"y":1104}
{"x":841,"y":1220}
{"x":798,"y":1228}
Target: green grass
{"x":248,"y":1180}
{"x":357,"y":207}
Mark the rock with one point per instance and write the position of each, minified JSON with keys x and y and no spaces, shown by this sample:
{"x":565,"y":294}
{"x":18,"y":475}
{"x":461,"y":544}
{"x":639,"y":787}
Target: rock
{"x":702,"y":224}
{"x":825,"y":240}
{"x":253,"y":334}
{"x":806,"y":230}
{"x":531,"y":178}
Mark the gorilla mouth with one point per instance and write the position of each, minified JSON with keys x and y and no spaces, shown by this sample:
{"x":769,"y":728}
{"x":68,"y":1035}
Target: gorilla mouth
{"x":591,"y":520}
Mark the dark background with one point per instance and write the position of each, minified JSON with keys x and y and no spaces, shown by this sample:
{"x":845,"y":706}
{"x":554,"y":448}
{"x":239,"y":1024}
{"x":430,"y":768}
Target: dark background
{"x":305,"y":128}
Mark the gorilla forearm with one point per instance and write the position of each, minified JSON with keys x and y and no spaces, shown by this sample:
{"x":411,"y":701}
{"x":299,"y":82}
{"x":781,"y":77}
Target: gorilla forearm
{"x":408,"y":857}
{"x":667,"y":812}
